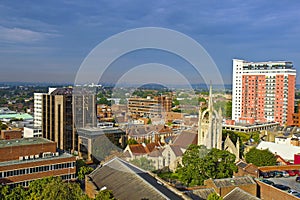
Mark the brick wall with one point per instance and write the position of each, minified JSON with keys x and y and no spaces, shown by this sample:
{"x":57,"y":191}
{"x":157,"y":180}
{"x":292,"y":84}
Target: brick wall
{"x":250,"y":188}
{"x":10,"y":134}
{"x":33,"y":176}
{"x":90,"y":187}
{"x":266,"y":192}
{"x":14,"y":152}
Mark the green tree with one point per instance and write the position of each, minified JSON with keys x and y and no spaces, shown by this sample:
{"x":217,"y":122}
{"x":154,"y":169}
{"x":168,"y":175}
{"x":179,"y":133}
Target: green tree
{"x":104,"y":100}
{"x":191,"y":172}
{"x":131,"y":141}
{"x":143,"y":163}
{"x":260,"y":157}
{"x":84,"y":170}
{"x":54,"y":188}
{"x":214,"y":196}
{"x":17,"y":193}
{"x":123,"y":101}
{"x":228,"y":109}
{"x":105,"y":195}
{"x":219,"y":164}
{"x":200,"y":164}
{"x":4,"y":191}
{"x":175,"y":102}
{"x":3,"y":126}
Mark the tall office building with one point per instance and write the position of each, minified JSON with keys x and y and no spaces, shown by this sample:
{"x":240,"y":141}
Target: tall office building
{"x":64,"y":110}
{"x":37,"y":108}
{"x":263,"y":91}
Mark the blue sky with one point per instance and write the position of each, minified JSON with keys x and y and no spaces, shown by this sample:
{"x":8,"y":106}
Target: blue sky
{"x":47,"y":42}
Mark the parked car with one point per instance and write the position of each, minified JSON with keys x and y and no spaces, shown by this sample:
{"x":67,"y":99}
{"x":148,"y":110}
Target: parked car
{"x":285,"y":174}
{"x":298,"y":178}
{"x":297,"y":195}
{"x":264,"y":174}
{"x":282,"y":187}
{"x":293,"y":192}
{"x":267,"y":182}
{"x":291,"y":172}
{"x":278,"y":173}
{"x":271,"y":174}
{"x":297,"y":172}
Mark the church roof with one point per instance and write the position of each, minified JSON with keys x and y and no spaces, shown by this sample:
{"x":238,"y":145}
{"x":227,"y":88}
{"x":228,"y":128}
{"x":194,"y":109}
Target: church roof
{"x":177,"y":150}
{"x":185,"y":138}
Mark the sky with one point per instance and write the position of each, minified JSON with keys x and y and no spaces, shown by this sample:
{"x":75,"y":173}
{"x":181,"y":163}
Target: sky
{"x":48,"y":41}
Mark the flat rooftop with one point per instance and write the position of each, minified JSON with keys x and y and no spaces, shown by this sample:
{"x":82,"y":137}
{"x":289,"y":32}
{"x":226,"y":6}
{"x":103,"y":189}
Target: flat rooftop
{"x":96,"y":131}
{"x":15,"y":162}
{"x":23,"y":141}
{"x":24,"y":116}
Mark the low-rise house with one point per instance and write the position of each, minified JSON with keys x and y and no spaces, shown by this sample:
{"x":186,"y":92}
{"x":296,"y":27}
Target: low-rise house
{"x":226,"y":185}
{"x":245,"y":169}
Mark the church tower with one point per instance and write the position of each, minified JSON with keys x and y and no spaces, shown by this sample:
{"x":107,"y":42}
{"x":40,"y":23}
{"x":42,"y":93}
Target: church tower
{"x":210,"y":125}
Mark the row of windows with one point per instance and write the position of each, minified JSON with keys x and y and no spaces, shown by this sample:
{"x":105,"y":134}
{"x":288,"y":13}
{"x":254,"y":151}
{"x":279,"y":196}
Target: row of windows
{"x":26,"y":183}
{"x":31,"y":170}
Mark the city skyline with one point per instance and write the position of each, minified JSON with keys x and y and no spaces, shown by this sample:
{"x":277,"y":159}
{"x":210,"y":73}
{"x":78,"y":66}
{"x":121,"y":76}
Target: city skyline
{"x":48,"y":43}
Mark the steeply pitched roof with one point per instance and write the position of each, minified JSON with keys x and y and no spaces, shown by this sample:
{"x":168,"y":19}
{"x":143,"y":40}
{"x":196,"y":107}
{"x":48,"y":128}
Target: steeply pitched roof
{"x":156,"y":153}
{"x":249,"y":168}
{"x":129,"y":182}
{"x":138,"y":149}
{"x":185,"y":138}
{"x":239,"y":194}
{"x":177,"y":150}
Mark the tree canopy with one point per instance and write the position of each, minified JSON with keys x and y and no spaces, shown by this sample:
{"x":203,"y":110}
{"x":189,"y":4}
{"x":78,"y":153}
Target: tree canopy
{"x":200,"y":164}
{"x":49,"y":188}
{"x":214,"y":196}
{"x":84,"y":170}
{"x":260,"y":157}
{"x":143,"y":163}
{"x":105,"y":195}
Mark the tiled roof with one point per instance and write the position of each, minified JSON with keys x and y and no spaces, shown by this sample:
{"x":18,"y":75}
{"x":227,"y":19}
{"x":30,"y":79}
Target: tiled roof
{"x":226,"y":182}
{"x":239,"y":194}
{"x":129,"y":182}
{"x":200,"y":194}
{"x":156,"y":153}
{"x":138,"y":149}
{"x":177,"y":150}
{"x":142,"y":148}
{"x":185,"y":138}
